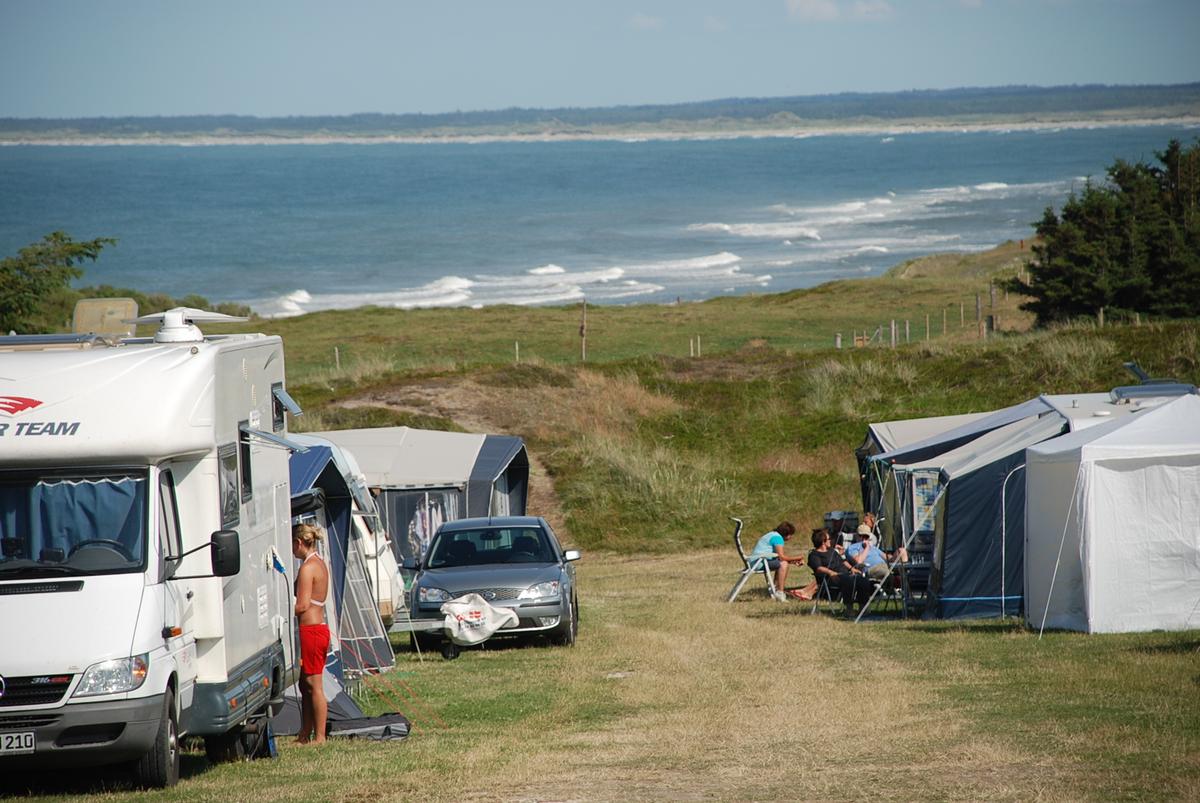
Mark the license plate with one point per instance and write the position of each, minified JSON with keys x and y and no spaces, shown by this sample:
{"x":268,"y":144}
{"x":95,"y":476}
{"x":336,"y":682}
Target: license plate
{"x":12,"y":744}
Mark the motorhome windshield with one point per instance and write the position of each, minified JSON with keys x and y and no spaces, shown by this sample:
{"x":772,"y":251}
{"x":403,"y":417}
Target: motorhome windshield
{"x":57,"y":523}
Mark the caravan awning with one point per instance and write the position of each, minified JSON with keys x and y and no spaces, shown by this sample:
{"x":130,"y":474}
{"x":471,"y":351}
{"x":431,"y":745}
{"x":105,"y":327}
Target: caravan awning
{"x":402,"y":457}
{"x":893,"y":435}
{"x":992,"y":446}
{"x":952,"y":439}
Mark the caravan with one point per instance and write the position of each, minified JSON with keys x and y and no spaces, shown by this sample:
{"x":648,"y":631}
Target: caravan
{"x":144,"y":530}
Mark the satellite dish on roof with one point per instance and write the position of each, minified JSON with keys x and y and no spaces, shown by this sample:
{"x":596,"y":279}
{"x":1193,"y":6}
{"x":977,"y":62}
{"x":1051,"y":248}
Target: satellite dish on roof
{"x":178,"y":325}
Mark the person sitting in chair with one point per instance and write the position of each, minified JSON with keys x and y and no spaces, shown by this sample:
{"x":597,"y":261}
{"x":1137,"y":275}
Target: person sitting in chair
{"x":871,"y":559}
{"x":770,"y":545}
{"x":840,"y":576}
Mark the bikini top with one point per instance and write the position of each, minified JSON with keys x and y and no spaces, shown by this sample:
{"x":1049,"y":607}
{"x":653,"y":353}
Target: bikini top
{"x":318,"y":603}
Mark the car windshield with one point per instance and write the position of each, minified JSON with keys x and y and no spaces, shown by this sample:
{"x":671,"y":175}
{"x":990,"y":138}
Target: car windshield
{"x":489,"y":545}
{"x":77,"y":523}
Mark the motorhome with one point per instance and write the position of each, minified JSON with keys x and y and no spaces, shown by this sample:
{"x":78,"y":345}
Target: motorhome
{"x":144,"y":539}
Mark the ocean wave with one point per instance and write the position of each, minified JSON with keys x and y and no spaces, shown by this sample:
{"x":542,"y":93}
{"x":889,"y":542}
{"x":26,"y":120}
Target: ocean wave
{"x":789,"y":231}
{"x":548,"y":284}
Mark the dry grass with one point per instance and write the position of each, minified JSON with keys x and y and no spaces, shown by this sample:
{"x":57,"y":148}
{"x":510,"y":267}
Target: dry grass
{"x":673,"y":694}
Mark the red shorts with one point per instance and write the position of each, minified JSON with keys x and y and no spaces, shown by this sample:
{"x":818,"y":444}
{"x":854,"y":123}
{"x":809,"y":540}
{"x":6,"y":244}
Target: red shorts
{"x":314,"y":644}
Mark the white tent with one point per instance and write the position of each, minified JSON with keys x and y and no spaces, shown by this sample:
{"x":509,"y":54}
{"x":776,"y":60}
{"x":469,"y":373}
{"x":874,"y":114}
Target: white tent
{"x":1112,"y":529}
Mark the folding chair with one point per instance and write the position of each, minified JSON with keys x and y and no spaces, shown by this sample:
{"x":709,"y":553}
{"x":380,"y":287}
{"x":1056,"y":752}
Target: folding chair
{"x":883,"y":592}
{"x":824,"y":592}
{"x":750,"y":566}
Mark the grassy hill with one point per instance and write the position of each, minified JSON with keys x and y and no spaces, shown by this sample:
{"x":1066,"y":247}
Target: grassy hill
{"x":648,"y":447}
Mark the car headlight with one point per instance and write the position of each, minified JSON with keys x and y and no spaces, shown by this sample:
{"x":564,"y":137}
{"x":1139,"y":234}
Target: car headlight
{"x":115,"y":676}
{"x":546,"y":590}
{"x":433,"y":595}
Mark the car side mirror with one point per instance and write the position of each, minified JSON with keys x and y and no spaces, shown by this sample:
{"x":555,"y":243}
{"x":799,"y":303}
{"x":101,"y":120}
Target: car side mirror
{"x":572,"y":554}
{"x":410,"y":565}
{"x":226,"y":553}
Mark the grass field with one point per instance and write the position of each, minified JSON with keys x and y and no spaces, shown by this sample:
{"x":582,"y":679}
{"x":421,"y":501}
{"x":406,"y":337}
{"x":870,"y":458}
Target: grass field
{"x":671,"y":694}
{"x":639,"y":457}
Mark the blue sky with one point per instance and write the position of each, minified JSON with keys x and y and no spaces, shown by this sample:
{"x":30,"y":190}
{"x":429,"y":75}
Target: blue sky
{"x":78,"y":58}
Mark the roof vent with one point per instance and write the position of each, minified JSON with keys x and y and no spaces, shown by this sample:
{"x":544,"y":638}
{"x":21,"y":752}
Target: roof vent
{"x":179,"y":325}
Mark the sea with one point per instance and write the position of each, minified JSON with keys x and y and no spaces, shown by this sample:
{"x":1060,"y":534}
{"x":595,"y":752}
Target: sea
{"x":293,"y":228}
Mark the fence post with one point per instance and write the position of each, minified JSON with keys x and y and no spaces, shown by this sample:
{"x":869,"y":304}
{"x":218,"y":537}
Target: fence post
{"x":837,"y":341}
{"x":927,"y":327}
{"x":893,"y":333}
{"x":962,"y":319}
{"x":337,"y":358}
{"x":517,"y":350}
{"x":907,"y":339}
{"x":583,"y":334}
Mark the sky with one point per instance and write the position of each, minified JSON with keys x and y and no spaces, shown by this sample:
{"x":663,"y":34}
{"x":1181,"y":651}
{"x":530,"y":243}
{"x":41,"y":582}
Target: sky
{"x":112,"y":58}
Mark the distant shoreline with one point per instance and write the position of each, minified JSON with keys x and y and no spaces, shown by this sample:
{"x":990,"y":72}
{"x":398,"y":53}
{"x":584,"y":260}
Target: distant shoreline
{"x":631,"y":134}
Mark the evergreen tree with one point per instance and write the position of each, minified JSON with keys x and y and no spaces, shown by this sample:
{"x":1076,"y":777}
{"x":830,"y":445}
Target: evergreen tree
{"x":1129,"y":245}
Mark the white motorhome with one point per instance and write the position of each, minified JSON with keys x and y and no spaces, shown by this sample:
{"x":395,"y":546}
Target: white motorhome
{"x":144,"y":527}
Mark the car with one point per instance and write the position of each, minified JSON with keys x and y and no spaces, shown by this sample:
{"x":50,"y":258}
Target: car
{"x":512,"y":562}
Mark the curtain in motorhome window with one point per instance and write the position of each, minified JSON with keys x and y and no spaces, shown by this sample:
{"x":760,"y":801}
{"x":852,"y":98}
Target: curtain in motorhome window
{"x":52,"y":517}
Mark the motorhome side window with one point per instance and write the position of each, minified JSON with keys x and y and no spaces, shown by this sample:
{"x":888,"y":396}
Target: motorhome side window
{"x":244,"y":454}
{"x":168,"y":526}
{"x":277,"y":410}
{"x":227,"y":468}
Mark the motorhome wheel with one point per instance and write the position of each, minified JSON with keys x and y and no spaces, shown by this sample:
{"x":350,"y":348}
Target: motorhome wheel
{"x":159,"y":768}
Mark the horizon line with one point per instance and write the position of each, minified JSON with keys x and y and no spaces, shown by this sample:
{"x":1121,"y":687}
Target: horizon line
{"x":666,"y":105}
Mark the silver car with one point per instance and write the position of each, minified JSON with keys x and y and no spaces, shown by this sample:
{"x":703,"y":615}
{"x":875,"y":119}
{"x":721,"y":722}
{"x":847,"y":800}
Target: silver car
{"x":513,"y":562}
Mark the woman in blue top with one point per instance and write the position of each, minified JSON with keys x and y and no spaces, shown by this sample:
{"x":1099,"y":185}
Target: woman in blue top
{"x":771,"y":545}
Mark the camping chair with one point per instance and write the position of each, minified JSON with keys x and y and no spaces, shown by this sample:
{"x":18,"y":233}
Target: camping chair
{"x":885,"y":591}
{"x":750,"y":566}
{"x":824,"y":593}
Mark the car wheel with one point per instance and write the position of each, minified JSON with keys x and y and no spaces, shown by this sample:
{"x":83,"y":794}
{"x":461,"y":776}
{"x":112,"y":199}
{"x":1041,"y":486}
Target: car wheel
{"x":159,"y":768}
{"x":565,"y":634}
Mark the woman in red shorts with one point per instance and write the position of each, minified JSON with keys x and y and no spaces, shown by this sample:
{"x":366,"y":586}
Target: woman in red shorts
{"x":312,"y":589}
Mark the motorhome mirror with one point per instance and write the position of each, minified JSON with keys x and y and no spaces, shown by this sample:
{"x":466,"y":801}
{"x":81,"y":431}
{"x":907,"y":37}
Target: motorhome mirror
{"x":226,"y":553}
{"x":410,"y":565}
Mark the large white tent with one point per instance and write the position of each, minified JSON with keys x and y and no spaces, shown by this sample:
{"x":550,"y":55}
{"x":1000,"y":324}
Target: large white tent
{"x":1112,"y":529}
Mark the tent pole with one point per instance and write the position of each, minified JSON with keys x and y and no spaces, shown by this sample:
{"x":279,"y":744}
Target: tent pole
{"x":1004,"y":537}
